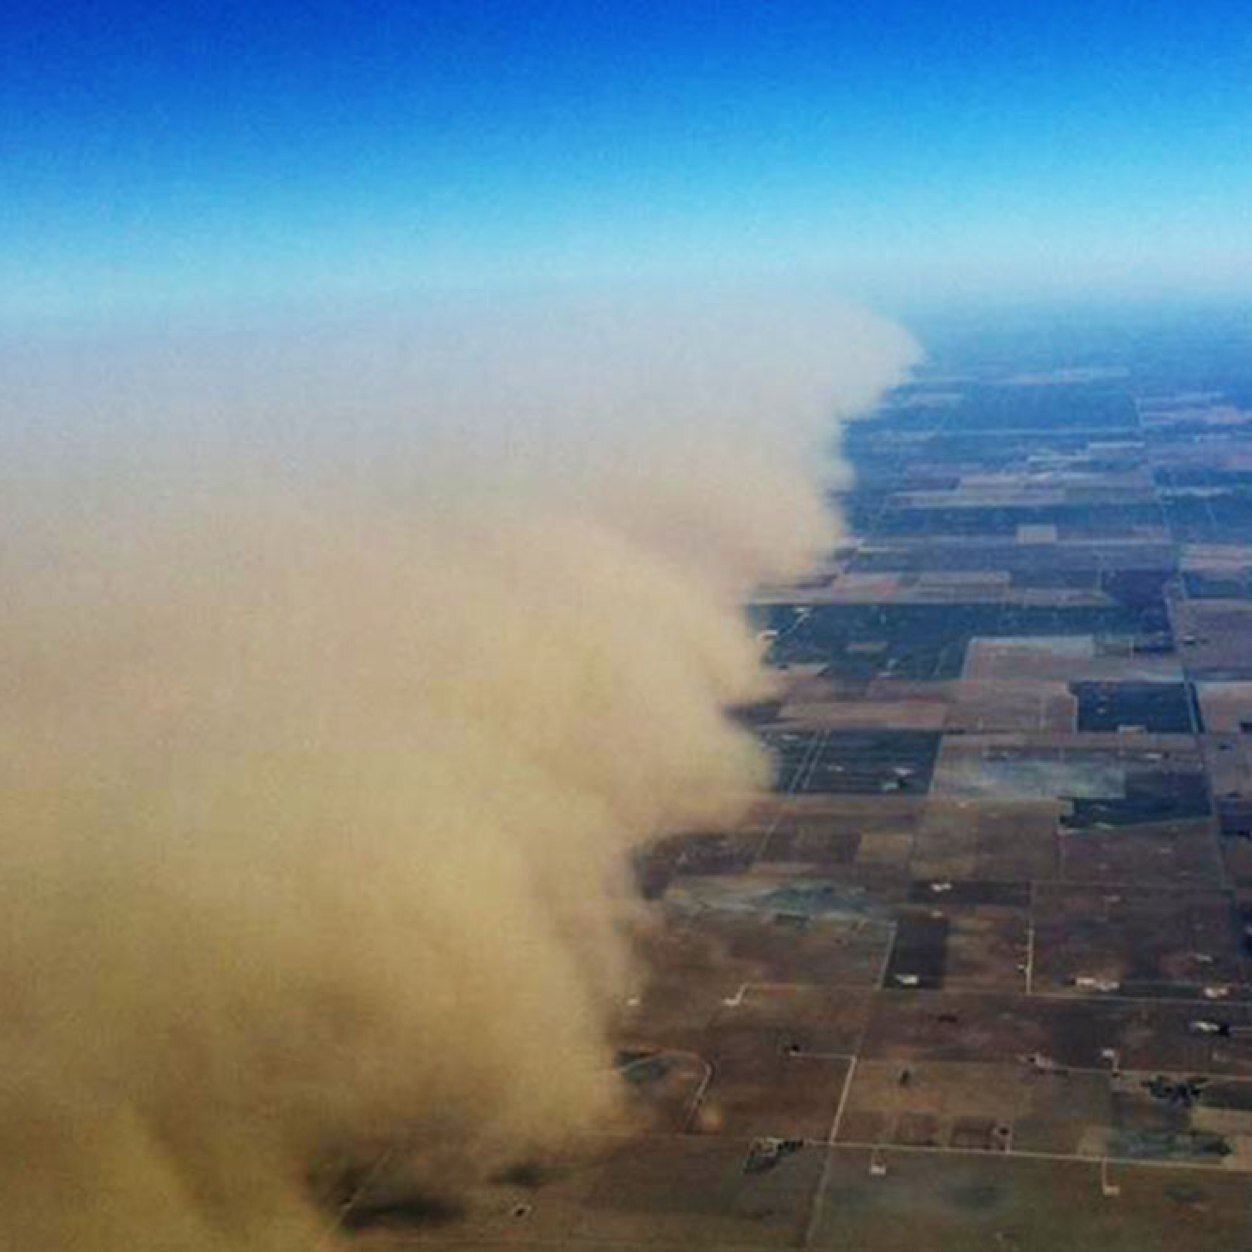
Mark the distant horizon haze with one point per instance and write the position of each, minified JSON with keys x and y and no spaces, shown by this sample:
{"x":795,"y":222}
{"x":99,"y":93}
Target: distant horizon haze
{"x":215,"y":160}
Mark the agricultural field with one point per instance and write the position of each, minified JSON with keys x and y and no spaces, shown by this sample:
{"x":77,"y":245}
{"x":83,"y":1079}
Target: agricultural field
{"x":978,"y":964}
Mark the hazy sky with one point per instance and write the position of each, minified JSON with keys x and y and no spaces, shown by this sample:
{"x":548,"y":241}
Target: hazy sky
{"x":200,"y":155}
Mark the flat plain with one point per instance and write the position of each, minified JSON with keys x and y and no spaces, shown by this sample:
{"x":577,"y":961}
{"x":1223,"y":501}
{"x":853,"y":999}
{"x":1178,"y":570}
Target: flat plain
{"x":975,"y":974}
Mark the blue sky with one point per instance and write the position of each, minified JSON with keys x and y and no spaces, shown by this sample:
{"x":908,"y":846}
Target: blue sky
{"x":201,"y":156}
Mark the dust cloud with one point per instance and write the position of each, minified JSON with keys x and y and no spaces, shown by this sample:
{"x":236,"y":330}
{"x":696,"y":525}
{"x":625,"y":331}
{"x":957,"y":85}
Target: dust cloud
{"x":344,"y":665}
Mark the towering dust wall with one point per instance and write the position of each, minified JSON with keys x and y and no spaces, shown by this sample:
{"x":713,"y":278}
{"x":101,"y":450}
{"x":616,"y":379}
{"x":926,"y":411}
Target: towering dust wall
{"x":342,"y":665}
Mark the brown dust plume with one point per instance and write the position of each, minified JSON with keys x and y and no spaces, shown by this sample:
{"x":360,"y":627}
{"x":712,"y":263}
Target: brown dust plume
{"x":343,"y":666}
